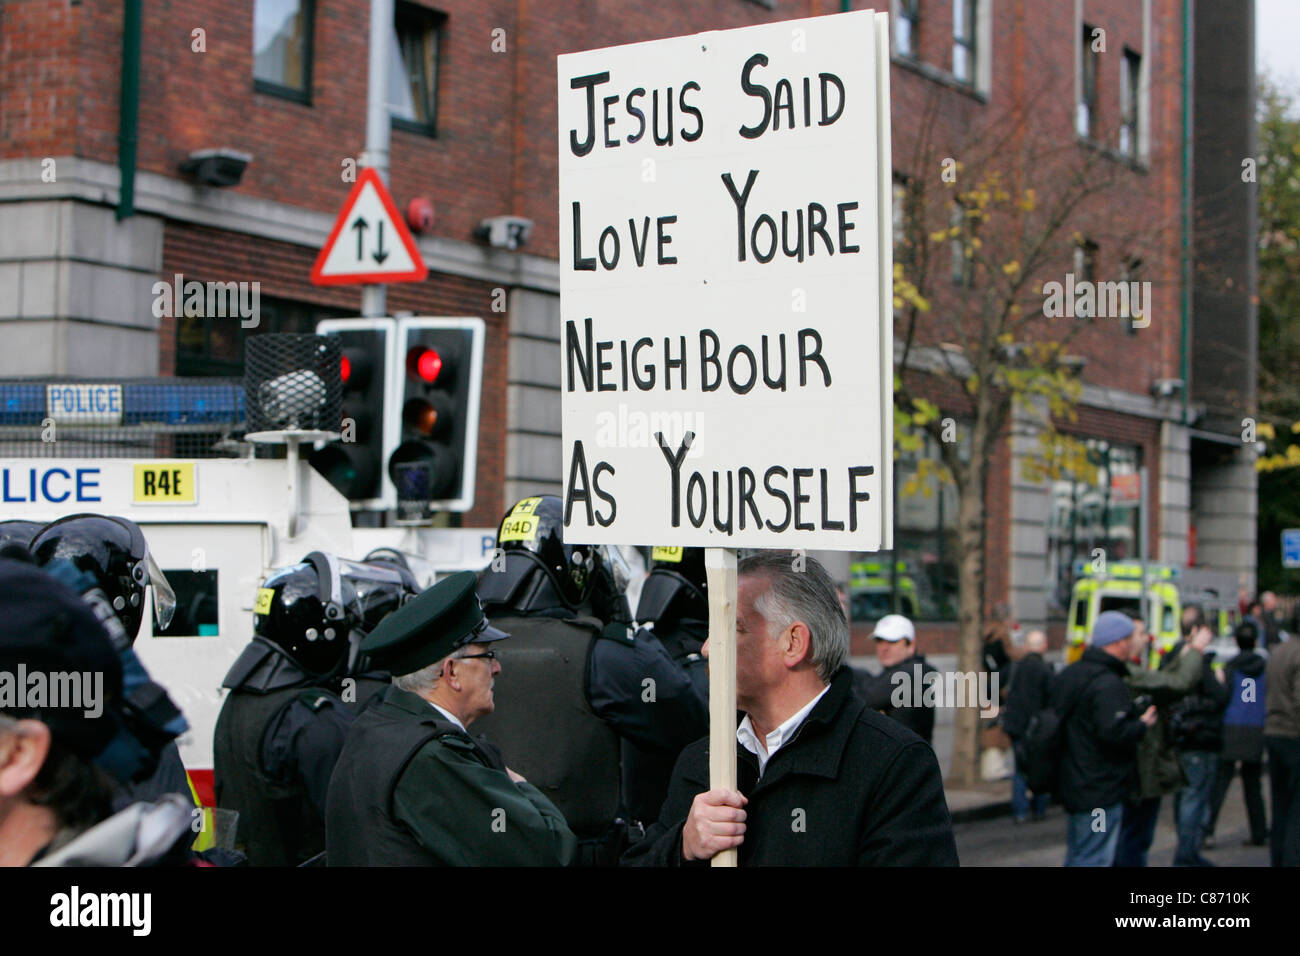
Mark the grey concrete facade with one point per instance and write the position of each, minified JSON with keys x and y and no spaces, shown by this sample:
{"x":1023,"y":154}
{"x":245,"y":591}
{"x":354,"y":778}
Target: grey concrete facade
{"x":1030,"y":510}
{"x":533,"y":450}
{"x":1173,"y":495}
{"x":1224,"y":505}
{"x":75,"y":290}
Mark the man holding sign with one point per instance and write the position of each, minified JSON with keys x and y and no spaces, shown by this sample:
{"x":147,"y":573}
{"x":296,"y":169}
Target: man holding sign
{"x":822,"y":780}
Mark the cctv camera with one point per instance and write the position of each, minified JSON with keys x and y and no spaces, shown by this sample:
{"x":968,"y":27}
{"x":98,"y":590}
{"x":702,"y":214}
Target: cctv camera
{"x":505,"y":232}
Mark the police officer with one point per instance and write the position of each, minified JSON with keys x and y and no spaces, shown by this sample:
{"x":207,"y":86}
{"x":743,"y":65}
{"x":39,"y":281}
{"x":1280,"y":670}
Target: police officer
{"x":579,"y":680}
{"x":411,"y":786}
{"x":19,"y":532}
{"x":117,"y":570}
{"x":294,"y":691}
{"x":673,"y":611}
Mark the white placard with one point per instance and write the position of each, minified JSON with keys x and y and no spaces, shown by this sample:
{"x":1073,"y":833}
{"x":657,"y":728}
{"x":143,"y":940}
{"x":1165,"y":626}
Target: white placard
{"x":723,"y":199}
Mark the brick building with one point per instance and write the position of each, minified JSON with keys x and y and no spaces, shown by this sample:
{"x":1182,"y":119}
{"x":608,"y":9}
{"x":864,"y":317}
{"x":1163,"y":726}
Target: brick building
{"x":474,"y":104}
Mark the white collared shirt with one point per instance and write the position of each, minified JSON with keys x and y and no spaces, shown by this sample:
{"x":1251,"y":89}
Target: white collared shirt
{"x":448,"y":714}
{"x":777,"y":738}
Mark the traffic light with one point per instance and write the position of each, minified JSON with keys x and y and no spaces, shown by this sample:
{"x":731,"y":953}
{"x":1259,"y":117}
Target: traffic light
{"x":355,"y":463}
{"x":440,"y":362}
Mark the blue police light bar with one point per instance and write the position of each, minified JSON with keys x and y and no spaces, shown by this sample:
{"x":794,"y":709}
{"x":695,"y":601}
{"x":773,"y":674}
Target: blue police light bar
{"x":22,"y":404}
{"x":166,"y":402}
{"x":177,"y":404}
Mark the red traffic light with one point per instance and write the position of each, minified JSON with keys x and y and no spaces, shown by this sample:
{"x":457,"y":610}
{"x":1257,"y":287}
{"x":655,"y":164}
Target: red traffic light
{"x":424,"y":363}
{"x":354,"y":368}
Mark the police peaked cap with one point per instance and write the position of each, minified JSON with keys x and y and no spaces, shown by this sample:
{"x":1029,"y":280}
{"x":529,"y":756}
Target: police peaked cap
{"x":429,"y":627}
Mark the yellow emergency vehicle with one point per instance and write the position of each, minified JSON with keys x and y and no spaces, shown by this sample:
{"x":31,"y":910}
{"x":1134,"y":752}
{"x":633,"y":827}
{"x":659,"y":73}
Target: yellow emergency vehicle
{"x":1117,"y":586}
{"x":870,"y":591}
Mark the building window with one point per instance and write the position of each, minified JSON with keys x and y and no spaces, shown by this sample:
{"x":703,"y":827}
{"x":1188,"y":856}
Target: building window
{"x":1138,"y":308}
{"x":907,"y":28}
{"x":961,"y":248}
{"x":1130,"y":96}
{"x":1085,"y":122}
{"x":963,"y":41}
{"x":1096,"y":510}
{"x":413,"y":73}
{"x":1085,"y":261}
{"x":282,"y":32}
{"x":208,"y":345}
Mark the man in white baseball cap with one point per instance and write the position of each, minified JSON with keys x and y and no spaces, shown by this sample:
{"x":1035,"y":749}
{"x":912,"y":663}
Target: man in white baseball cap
{"x":904,"y":697}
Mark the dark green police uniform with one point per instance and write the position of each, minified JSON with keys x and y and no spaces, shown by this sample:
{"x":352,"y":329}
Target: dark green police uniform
{"x":411,"y":786}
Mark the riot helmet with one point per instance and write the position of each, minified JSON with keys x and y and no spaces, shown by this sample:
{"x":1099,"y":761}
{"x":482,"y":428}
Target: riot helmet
{"x":533,"y":568}
{"x":383,"y":581}
{"x":19,"y":532}
{"x":318,"y":611}
{"x":677,"y":586}
{"x":114,"y":551}
{"x":307,"y":610}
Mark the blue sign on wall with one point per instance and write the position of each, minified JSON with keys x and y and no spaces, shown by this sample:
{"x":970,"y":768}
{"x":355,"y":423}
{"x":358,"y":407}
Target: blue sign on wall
{"x":1291,"y":548}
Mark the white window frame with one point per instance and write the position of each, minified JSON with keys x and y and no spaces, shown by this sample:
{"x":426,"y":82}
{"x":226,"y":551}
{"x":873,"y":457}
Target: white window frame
{"x":896,"y":13}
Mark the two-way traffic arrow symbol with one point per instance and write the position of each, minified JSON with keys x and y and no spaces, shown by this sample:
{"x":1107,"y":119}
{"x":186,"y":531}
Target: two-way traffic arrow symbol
{"x":360,"y":225}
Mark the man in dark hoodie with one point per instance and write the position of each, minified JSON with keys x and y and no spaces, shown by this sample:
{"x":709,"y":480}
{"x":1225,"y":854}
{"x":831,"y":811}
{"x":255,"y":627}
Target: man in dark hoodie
{"x":1100,"y":732}
{"x":1243,"y":735}
{"x":895,"y":692}
{"x":1159,"y":772}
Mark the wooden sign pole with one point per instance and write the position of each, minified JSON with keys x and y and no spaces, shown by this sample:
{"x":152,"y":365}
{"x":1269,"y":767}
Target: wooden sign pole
{"x":720,"y":567}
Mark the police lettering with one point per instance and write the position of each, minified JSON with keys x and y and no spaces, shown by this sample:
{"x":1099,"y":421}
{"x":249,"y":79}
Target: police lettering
{"x":53,"y":485}
{"x":86,"y":400}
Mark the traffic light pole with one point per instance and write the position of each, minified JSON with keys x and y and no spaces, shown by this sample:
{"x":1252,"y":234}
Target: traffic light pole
{"x":378,"y":127}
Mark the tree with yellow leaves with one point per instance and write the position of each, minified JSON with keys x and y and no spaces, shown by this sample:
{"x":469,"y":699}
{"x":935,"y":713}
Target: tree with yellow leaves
{"x":980,"y":236}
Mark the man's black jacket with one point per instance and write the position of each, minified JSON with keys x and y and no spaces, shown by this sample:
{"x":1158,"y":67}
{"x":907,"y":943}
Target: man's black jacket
{"x":880,"y":691}
{"x":851,"y":788}
{"x":1196,"y":720}
{"x":1031,"y":681}
{"x":1099,"y":758}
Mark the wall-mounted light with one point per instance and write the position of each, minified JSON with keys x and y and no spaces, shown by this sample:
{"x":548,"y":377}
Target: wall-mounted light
{"x":216,"y":167}
{"x":1167,"y":387}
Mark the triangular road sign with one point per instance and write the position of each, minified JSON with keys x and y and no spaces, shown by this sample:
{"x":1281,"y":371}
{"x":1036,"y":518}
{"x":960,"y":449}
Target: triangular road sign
{"x":369,"y":241}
